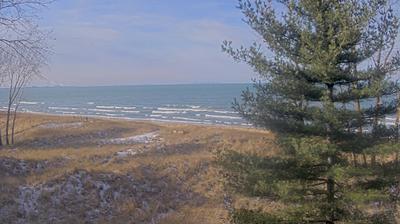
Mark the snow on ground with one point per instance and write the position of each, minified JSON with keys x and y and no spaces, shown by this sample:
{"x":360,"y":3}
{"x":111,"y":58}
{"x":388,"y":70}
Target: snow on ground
{"x":129,"y":152}
{"x":144,"y":138}
{"x":96,"y":197}
{"x":61,"y":125}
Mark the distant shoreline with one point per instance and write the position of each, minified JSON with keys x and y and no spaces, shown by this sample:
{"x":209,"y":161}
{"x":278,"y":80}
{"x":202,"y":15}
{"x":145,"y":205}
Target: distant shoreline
{"x":134,"y":85}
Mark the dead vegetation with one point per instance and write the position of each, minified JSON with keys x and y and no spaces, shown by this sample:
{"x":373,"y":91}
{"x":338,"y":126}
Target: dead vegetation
{"x":61,"y":172}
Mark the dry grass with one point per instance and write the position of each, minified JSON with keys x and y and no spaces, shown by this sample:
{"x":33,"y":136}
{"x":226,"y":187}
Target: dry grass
{"x":180,"y":162}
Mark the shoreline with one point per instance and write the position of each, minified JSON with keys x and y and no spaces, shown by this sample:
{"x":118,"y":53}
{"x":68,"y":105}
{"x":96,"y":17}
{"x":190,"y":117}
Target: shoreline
{"x":150,"y":120}
{"x":198,"y":104}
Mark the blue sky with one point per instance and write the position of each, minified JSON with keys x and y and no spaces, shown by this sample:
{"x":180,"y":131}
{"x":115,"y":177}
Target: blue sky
{"x":134,"y":42}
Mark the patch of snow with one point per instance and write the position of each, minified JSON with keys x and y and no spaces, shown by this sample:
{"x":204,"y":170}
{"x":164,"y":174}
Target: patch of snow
{"x":103,"y":188}
{"x":130,"y":152}
{"x":145,"y":138}
{"x":61,"y":125}
{"x":27,"y":200}
{"x":98,"y":196}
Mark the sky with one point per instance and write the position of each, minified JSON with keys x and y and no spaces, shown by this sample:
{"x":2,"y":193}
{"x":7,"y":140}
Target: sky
{"x":136,"y":42}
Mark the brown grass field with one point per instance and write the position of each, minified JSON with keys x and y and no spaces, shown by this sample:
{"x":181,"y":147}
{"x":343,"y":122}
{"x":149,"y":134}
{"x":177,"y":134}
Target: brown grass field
{"x":65,"y":169}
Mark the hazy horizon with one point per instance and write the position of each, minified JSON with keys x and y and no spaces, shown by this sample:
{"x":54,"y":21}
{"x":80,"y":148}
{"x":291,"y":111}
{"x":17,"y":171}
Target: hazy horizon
{"x":133,"y":85}
{"x":103,"y":42}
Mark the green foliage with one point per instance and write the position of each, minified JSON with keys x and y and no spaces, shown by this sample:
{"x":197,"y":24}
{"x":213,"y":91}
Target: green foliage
{"x":327,"y":81}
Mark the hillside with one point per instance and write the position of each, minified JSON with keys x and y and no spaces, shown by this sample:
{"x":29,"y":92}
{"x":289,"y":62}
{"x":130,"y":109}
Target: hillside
{"x":87,"y":170}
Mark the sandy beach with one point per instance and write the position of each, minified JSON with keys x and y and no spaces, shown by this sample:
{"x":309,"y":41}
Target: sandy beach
{"x":68,"y":169}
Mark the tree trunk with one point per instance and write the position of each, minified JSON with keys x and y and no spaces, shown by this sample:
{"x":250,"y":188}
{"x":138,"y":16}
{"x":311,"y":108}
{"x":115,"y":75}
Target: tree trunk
{"x":377,"y":105}
{"x":355,"y":163}
{"x":398,"y":126}
{"x":330,"y":184}
{"x":398,"y":116}
{"x":358,"y":108}
{"x":360,"y":128}
{"x":1,"y":141}
{"x":330,"y":187}
{"x":376,"y":121}
{"x":365,"y":159}
{"x":8,"y":124}
{"x":13,"y":124}
{"x":373,"y":160}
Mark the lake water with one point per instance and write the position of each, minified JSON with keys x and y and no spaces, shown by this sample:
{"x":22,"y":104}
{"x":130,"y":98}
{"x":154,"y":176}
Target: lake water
{"x":198,"y":103}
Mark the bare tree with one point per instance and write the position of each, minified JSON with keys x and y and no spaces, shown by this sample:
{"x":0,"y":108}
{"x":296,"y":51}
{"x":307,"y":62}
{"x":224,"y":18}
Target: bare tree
{"x":19,"y":31}
{"x":23,"y":50}
{"x":19,"y":70}
{"x":14,"y":120}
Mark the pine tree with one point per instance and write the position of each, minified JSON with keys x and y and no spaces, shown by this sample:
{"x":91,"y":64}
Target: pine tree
{"x":327,"y":103}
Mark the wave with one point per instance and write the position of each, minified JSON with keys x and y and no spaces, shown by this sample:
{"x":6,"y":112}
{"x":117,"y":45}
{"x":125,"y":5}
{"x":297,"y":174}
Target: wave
{"x":116,"y":107}
{"x":168,"y":112}
{"x":113,"y":115}
{"x":127,"y":108}
{"x":181,"y":109}
{"x":149,"y":117}
{"x":102,"y":110}
{"x":196,"y":109}
{"x":30,"y":102}
{"x":178,"y":121}
{"x":130,"y":111}
{"x":223,"y":117}
{"x":155,"y":115}
{"x":223,"y":112}
{"x":66,"y":112}
{"x":105,"y":107}
{"x":186,"y":119}
{"x":63,"y":108}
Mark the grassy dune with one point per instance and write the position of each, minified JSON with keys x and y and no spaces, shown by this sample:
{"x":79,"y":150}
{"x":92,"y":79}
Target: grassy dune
{"x":86,"y":170}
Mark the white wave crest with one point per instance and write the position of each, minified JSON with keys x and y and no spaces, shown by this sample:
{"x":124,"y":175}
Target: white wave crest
{"x":66,"y":112}
{"x":30,"y":103}
{"x":102,"y":110}
{"x":130,"y":111}
{"x":181,"y":109}
{"x":185,"y":119}
{"x":223,"y":117}
{"x":62,"y":108}
{"x":224,"y":112}
{"x":168,"y":112}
